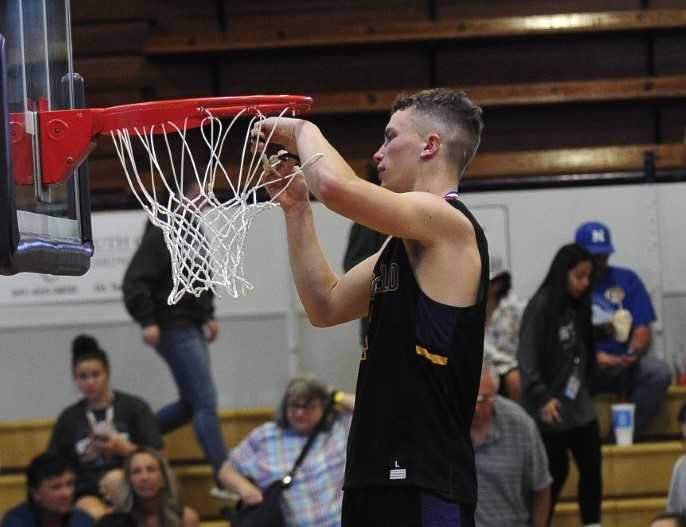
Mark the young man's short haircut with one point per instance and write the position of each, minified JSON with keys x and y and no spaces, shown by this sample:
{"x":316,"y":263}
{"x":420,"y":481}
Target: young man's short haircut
{"x":45,"y":466}
{"x":453,"y":109}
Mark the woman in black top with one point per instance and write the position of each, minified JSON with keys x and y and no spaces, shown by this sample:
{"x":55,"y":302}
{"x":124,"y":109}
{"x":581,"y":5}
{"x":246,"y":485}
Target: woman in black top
{"x":557,"y":358}
{"x":100,"y":430}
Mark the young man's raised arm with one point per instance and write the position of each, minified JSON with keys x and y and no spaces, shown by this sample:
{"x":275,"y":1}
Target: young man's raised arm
{"x":327,"y":299}
{"x":420,"y":216}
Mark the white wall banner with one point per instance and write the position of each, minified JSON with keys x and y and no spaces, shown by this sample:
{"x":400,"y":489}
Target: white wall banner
{"x":115,"y":235}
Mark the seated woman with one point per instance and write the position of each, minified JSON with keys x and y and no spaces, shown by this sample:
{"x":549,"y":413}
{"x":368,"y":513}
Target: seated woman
{"x":99,"y":431}
{"x":504,"y":312}
{"x":269,"y":452}
{"x":149,"y":493}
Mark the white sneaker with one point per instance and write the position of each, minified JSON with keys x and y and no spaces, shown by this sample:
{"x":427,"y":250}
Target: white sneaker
{"x":224,"y":494}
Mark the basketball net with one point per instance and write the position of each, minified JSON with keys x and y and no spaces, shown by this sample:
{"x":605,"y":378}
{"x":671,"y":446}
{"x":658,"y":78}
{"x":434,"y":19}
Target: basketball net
{"x":205,"y":237}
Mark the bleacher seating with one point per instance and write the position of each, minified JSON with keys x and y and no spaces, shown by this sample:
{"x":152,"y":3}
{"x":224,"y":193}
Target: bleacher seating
{"x":632,"y":492}
{"x":20,"y":441}
{"x":547,"y":112}
{"x":381,"y":31}
{"x":615,"y":513}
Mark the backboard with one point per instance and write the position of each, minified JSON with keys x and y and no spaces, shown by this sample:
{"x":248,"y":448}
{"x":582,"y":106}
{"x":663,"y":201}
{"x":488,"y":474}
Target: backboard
{"x":44,"y":228}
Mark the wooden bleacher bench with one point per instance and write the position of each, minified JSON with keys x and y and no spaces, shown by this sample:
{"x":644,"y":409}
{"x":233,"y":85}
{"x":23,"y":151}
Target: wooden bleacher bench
{"x":420,"y":31}
{"x":195,"y":483}
{"x":20,"y":441}
{"x":624,"y":468}
{"x":601,"y":159}
{"x":106,"y":174}
{"x":625,"y":481}
{"x":638,"y":512}
{"x":624,"y":476}
{"x":12,"y":491}
{"x":130,"y":65}
{"x":236,"y":424}
{"x":518,"y":94}
{"x":113,"y":73}
{"x":574,"y":160}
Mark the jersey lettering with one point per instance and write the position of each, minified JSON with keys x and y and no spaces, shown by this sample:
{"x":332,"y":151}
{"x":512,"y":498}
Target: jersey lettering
{"x":386,"y":281}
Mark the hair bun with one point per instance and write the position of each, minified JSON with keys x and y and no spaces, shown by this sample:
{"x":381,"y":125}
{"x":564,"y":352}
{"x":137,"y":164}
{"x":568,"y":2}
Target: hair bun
{"x":84,"y":344}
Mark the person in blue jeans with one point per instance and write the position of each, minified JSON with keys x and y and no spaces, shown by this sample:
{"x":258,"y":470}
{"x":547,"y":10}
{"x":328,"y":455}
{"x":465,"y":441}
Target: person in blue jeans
{"x":180,"y":333}
{"x":622,"y":318}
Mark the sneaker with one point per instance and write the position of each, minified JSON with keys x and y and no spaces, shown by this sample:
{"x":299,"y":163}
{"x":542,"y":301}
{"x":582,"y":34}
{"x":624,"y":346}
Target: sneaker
{"x":224,"y":494}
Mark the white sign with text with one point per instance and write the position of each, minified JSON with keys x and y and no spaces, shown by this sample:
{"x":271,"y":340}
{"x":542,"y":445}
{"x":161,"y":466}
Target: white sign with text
{"x":115,"y":235}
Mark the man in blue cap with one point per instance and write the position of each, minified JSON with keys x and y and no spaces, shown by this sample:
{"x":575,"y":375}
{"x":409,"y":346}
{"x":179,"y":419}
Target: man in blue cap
{"x":622,"y":318}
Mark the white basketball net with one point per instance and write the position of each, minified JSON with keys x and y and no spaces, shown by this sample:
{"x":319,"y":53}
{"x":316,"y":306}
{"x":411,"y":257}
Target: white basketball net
{"x":205,"y":236}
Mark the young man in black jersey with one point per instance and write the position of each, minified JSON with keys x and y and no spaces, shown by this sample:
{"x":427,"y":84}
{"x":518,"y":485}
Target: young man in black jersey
{"x":410,"y":460}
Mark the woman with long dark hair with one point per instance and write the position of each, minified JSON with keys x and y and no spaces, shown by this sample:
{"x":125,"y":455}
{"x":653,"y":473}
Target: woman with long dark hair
{"x":557,"y":358}
{"x":96,"y":433}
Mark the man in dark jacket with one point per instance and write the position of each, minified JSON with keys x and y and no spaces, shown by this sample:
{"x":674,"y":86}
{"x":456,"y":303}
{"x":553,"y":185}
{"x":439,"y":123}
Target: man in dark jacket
{"x":50,"y":499}
{"x":180,"y":334}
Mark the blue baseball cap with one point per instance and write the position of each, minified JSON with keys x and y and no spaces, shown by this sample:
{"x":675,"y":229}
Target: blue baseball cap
{"x":595,"y":238}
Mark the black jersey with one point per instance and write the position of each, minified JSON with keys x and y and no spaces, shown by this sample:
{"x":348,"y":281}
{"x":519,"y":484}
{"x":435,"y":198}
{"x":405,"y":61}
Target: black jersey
{"x":414,"y":405}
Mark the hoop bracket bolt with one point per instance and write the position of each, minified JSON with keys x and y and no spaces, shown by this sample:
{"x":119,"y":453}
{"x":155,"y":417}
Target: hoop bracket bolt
{"x":16,"y":132}
{"x":66,"y":140}
{"x":22,"y":151}
{"x":56,"y":129}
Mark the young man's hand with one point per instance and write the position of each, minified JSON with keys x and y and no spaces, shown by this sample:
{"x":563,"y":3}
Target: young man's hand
{"x":284,"y":185}
{"x":282,"y":130}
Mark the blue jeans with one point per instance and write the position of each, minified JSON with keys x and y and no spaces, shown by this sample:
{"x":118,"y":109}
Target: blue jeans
{"x":186,"y":353}
{"x":645,"y":383}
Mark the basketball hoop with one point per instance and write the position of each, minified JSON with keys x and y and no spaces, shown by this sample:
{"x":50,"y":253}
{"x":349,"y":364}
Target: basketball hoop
{"x":205,"y":236}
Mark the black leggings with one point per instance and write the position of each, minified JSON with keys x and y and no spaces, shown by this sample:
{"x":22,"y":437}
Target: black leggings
{"x":584,"y":444}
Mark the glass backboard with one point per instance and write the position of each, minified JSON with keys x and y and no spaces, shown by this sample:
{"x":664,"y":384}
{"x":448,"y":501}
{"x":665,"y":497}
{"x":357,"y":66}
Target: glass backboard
{"x":44,"y":228}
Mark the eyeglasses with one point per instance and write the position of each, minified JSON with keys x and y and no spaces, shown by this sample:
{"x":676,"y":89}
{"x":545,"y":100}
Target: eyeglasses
{"x":293,"y":406}
{"x":483,"y":399}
